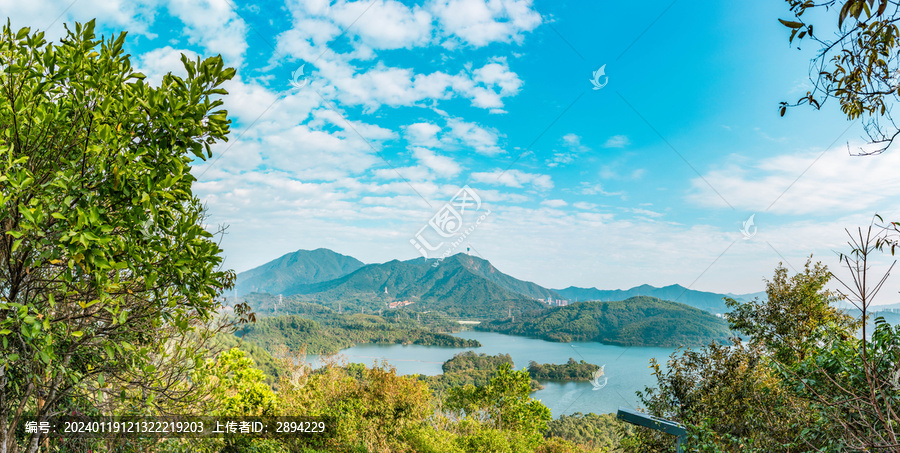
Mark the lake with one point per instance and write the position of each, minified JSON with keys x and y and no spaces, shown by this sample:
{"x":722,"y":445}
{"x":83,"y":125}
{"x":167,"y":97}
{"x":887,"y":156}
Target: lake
{"x":626,"y":367}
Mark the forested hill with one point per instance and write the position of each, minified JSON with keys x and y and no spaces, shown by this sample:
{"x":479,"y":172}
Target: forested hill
{"x":637,"y":321}
{"x":460,"y":286}
{"x":711,"y":302}
{"x":302,"y":267}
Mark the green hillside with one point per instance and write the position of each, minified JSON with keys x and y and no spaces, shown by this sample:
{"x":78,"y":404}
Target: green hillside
{"x":302,"y":267}
{"x":331,"y":334}
{"x":711,"y":302}
{"x":460,"y":286}
{"x":638,"y":321}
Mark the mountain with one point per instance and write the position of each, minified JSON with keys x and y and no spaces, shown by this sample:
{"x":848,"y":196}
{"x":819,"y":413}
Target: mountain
{"x":636,"y":321}
{"x":302,"y":267}
{"x":711,"y":302}
{"x":460,"y":286}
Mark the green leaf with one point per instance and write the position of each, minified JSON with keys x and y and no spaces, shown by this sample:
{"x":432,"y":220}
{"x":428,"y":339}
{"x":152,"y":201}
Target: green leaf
{"x":13,"y":357}
{"x":77,"y":334}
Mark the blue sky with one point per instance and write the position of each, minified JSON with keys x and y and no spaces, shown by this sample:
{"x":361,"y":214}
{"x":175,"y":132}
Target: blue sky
{"x":649,"y":179}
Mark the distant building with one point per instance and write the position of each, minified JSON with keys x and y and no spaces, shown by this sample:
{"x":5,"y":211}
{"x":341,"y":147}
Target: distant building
{"x":400,"y":303}
{"x":555,"y":302}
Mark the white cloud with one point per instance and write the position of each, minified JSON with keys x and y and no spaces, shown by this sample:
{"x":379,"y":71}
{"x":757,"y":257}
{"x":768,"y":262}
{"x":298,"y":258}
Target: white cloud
{"x":133,"y":16}
{"x":213,"y":25}
{"x":384,"y":24}
{"x":554,"y":203}
{"x":572,"y":149}
{"x":391,"y":86}
{"x":422,"y":134}
{"x":586,"y":188}
{"x":440,"y":165}
{"x":480,"y":22}
{"x":481,"y":140}
{"x":159,"y":62}
{"x":645,"y":212}
{"x":514,"y":178}
{"x":804,"y":183}
{"x":617,"y":141}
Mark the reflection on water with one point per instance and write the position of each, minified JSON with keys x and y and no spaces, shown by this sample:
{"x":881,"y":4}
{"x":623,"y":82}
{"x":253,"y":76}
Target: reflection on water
{"x":626,"y":367}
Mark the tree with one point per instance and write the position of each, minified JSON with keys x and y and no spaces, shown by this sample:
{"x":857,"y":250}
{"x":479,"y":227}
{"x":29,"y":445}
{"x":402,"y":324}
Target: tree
{"x":804,"y":382}
{"x":790,"y":320}
{"x":859,"y":65}
{"x":729,"y":396}
{"x":105,"y":264}
{"x":504,"y":404}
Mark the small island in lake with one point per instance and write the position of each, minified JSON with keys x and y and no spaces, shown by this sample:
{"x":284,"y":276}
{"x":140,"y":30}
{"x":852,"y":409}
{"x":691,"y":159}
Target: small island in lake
{"x":570,"y":371}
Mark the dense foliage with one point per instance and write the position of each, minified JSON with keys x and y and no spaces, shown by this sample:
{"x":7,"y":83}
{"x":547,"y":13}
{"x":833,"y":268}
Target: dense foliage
{"x":469,"y":368}
{"x":333,"y":333}
{"x":598,"y":431}
{"x":470,"y":360}
{"x":570,"y":371}
{"x":804,"y":382}
{"x":638,"y":321}
{"x":105,"y":262}
{"x":262,"y":359}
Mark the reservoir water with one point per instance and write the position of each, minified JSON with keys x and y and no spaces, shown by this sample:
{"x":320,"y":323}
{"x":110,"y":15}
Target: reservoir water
{"x":626,"y":367}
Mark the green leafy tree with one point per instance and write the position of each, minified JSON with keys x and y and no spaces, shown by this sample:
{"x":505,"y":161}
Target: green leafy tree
{"x":730,"y":398}
{"x":104,"y":258}
{"x":791,"y":321}
{"x":236,"y":386}
{"x":503,"y":404}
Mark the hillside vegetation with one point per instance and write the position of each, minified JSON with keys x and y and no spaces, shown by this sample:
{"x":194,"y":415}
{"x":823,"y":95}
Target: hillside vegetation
{"x":711,"y":302}
{"x":330,"y":335}
{"x":460,"y":286}
{"x":302,"y":267}
{"x":638,"y":321}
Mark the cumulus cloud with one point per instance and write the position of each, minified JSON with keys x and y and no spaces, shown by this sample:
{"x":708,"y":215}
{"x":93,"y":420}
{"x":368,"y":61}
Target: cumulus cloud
{"x":481,"y":140}
{"x":440,"y":165}
{"x":480,"y":22}
{"x":213,"y":25}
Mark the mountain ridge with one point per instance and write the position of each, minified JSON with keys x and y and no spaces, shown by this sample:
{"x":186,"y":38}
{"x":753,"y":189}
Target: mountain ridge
{"x":461,"y":284}
{"x":704,"y":300}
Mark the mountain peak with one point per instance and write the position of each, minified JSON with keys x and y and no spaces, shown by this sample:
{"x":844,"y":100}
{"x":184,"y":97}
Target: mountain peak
{"x":296,"y":268}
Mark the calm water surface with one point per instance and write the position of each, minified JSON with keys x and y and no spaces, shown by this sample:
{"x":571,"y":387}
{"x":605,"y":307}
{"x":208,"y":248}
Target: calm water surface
{"x":626,"y":367}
